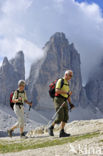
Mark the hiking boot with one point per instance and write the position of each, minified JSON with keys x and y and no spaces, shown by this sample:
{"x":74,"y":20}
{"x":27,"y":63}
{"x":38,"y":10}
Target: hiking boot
{"x":50,"y":131}
{"x":22,"y":135}
{"x":63,"y":134}
{"x":9,"y":132}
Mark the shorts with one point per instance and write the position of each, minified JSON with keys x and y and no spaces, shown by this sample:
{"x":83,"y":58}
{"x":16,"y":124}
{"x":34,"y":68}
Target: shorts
{"x":62,"y":115}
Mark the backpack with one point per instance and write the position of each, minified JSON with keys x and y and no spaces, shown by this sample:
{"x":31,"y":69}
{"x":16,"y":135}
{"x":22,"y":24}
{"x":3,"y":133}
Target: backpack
{"x":52,"y":87}
{"x":11,"y":96}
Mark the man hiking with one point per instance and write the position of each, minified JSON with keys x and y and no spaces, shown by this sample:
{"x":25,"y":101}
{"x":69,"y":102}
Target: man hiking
{"x":62,"y":94}
{"x":19,"y":98}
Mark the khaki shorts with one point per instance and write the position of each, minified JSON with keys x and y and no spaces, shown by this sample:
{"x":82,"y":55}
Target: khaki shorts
{"x":62,"y":115}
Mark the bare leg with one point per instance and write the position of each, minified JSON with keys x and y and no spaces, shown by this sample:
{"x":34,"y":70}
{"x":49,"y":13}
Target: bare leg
{"x":14,"y":127}
{"x":21,"y":130}
{"x":62,"y":125}
{"x":53,"y":124}
{"x":11,"y":130}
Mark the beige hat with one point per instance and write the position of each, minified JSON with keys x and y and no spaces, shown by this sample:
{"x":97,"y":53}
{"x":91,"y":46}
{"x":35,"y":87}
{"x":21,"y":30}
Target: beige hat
{"x":21,"y":83}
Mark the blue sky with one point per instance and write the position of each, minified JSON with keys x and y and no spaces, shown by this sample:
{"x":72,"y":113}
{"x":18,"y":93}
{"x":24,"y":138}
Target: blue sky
{"x":28,"y":24}
{"x":99,"y":2}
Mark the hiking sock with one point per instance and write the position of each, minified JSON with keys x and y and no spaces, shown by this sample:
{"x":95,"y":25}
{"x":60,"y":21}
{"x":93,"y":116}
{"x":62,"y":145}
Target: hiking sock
{"x":62,"y":130}
{"x":22,"y":134}
{"x":50,"y":130}
{"x":51,"y":127}
{"x":10,"y":132}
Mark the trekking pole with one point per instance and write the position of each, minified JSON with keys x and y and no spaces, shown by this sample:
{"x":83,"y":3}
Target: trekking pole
{"x":29,"y":108}
{"x":55,"y":114}
{"x":27,"y":114}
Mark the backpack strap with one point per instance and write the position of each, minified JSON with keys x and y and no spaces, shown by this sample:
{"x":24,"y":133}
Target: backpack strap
{"x":62,"y":83}
{"x":17,"y":93}
{"x":19,"y":104}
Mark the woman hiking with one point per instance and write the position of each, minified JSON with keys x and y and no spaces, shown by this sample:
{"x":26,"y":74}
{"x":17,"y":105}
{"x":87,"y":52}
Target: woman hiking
{"x":19,"y":98}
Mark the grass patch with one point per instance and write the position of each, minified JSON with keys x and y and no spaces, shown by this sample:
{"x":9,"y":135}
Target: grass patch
{"x":6,"y":147}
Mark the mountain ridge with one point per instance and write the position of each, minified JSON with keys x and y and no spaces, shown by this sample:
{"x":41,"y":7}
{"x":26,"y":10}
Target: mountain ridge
{"x":59,"y":55}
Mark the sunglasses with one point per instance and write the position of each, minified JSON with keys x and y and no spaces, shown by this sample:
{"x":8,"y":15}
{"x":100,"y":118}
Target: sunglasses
{"x":71,"y":75}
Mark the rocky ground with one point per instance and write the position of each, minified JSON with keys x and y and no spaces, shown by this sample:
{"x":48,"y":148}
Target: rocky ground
{"x":92,"y":146}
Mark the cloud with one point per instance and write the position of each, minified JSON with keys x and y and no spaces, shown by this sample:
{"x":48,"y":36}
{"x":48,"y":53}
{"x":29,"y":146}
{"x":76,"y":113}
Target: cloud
{"x":28,"y":24}
{"x":82,"y":23}
{"x":13,"y":14}
{"x":31,"y":51}
{"x":12,"y":33}
{"x":10,"y":7}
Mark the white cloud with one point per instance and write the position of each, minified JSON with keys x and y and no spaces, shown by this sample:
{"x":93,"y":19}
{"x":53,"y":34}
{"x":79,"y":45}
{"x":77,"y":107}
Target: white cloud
{"x":31,"y":51}
{"x":10,"y":7}
{"x":91,"y":10}
{"x":12,"y":32}
{"x":13,"y":13}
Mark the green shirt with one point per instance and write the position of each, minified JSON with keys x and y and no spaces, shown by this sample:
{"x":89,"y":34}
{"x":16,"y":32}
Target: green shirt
{"x":64,"y":88}
{"x":20,"y":94}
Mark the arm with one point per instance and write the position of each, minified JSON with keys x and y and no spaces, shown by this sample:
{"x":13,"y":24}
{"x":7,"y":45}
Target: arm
{"x":71,"y":105}
{"x":69,"y":100}
{"x":59,"y":91}
{"x":58,"y":88}
{"x":14,"y":99}
{"x":27,"y":102}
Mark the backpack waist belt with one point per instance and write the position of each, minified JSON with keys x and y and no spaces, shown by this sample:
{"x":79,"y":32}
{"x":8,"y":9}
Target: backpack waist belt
{"x":19,"y":104}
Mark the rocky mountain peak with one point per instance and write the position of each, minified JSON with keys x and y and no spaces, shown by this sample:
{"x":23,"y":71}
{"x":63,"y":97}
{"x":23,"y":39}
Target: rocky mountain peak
{"x":60,"y":56}
{"x":18,"y":63}
{"x":56,"y":39}
{"x":20,"y":55}
{"x":5,"y":61}
{"x":58,"y":36}
{"x":11,"y":72}
{"x":94,"y":87}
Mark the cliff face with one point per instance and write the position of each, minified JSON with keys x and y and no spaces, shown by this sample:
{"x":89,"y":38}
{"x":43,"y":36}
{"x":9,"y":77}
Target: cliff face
{"x":18,"y":64}
{"x":59,"y":56}
{"x":10,"y":72}
{"x":94,"y":88}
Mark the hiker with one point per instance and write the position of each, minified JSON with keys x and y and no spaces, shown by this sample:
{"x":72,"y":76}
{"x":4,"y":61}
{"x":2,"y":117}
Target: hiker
{"x":62,"y":94}
{"x":19,"y":98}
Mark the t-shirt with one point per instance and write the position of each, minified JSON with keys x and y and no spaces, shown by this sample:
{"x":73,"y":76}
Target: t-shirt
{"x":20,"y":94}
{"x":64,"y":88}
